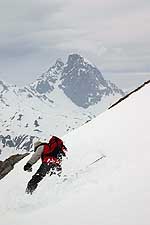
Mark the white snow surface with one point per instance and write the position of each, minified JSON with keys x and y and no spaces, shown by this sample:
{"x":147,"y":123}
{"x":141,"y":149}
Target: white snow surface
{"x":54,"y":114}
{"x":113,"y":191}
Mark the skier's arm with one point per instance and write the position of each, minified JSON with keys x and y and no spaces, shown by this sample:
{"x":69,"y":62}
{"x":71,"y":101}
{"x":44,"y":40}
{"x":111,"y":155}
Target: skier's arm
{"x":36,"y":155}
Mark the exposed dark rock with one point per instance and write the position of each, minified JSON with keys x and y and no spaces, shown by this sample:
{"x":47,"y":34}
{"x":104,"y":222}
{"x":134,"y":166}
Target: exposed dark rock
{"x":19,"y":142}
{"x":1,"y":162}
{"x":43,"y":87}
{"x":19,"y":117}
{"x":4,"y":87}
{"x":7,"y":165}
{"x":38,"y":130}
{"x":30,"y":96}
{"x":36,"y":124}
{"x":126,"y":96}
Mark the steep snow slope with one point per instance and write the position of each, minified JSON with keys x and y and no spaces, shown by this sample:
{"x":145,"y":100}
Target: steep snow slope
{"x":115,"y":190}
{"x":23,"y":118}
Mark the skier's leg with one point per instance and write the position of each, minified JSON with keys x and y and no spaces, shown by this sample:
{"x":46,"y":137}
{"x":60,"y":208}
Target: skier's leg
{"x":59,"y":169}
{"x":37,"y":177}
{"x":55,"y":168}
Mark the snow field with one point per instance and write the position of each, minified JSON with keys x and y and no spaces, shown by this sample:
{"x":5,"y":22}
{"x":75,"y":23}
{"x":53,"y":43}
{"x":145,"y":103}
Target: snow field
{"x":113,"y":191}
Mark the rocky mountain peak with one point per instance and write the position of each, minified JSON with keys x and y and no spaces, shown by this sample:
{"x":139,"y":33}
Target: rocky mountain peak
{"x":78,"y":60}
{"x":83,"y":83}
{"x":56,"y":68}
{"x":59,"y":63}
{"x":80,"y":80}
{"x":45,"y":83}
{"x":75,"y":59}
{"x":3,"y":86}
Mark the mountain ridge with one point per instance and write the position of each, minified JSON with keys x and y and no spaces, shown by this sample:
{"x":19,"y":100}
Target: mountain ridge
{"x":81,"y":81}
{"x":58,"y":98}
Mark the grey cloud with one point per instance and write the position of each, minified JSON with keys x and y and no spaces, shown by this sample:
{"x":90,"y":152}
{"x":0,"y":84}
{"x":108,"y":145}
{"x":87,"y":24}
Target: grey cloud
{"x":113,"y":34}
{"x":24,"y":23}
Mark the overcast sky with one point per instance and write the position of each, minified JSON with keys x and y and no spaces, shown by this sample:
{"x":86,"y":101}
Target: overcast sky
{"x":113,"y":34}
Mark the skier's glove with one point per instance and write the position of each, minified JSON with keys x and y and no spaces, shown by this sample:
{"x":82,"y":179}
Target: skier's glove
{"x":28,"y":167}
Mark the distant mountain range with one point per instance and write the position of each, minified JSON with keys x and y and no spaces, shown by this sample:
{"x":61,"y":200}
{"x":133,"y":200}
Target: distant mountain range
{"x":66,"y":96}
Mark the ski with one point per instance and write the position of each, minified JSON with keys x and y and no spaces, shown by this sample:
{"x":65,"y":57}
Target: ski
{"x":103,"y":156}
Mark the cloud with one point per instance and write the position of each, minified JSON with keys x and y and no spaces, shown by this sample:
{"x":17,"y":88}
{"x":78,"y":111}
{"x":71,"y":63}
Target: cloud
{"x":113,"y":34}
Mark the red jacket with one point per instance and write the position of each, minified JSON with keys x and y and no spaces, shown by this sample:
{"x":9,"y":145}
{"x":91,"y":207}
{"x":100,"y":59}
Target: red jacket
{"x":47,"y":156}
{"x":51,"y":152}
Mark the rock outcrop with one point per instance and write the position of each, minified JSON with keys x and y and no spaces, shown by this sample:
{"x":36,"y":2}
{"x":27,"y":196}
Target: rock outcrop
{"x":7,"y":165}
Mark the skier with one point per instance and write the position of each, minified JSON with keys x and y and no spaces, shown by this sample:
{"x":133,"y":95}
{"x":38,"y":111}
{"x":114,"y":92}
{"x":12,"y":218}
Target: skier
{"x":51,"y":155}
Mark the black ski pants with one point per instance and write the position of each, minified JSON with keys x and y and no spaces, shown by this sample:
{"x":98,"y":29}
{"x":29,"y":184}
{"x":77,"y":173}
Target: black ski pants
{"x":40,"y":174}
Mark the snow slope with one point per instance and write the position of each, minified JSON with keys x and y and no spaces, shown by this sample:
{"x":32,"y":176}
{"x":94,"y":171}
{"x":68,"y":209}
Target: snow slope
{"x":63,"y":98}
{"x":113,"y":191}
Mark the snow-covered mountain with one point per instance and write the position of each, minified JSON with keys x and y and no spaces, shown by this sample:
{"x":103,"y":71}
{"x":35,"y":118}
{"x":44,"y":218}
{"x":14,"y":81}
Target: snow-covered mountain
{"x":114,"y":190}
{"x":80,"y":81}
{"x":65,"y":97}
